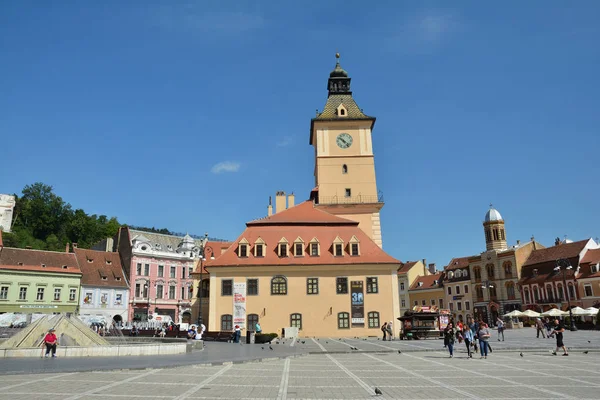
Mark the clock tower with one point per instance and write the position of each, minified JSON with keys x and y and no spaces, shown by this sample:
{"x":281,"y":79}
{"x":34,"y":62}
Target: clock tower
{"x":344,"y":163}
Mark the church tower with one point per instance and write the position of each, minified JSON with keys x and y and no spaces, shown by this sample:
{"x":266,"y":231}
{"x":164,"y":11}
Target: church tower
{"x":493,"y":226}
{"x":344,"y":162}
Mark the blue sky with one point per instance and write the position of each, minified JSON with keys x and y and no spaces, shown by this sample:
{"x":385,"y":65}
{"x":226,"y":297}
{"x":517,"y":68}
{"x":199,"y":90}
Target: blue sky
{"x":129,"y":108}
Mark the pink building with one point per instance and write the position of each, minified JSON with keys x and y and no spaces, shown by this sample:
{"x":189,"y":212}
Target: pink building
{"x":159,"y":269}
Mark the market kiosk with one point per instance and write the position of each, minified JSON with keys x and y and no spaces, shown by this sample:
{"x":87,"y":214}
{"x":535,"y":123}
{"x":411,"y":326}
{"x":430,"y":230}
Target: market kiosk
{"x":424,"y":322}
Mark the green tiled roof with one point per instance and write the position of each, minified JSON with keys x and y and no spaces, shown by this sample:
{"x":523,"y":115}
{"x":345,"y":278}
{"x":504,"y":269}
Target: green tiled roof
{"x":333,"y":102}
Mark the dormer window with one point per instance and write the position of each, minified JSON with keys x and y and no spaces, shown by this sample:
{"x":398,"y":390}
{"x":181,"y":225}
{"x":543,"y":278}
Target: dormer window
{"x":299,"y":247}
{"x":43,"y":265}
{"x":118,"y":278}
{"x":535,"y":272}
{"x":90,"y":260}
{"x":243,"y":248}
{"x":282,"y":247}
{"x":64,"y":267}
{"x":314,"y":248}
{"x":259,"y":248}
{"x":354,"y":246}
{"x":105,"y":278}
{"x":338,"y":247}
{"x":341,"y":111}
{"x":20,"y":264}
{"x":420,"y":284}
{"x":108,"y":262}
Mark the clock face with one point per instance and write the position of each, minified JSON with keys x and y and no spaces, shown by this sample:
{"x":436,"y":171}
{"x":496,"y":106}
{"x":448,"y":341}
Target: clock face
{"x":344,"y":140}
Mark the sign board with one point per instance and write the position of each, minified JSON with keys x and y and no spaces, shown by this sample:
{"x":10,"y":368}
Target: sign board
{"x":37,"y":306}
{"x":357,"y":307}
{"x":239,"y":304}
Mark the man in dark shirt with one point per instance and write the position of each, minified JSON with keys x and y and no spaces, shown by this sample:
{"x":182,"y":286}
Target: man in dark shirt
{"x":558,"y":331}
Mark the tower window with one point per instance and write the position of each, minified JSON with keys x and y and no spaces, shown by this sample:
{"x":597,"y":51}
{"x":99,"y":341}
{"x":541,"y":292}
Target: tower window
{"x":348,"y":192}
{"x":342,"y":112}
{"x":344,"y":169}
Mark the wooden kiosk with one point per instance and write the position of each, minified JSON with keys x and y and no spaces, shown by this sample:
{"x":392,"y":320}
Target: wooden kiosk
{"x":424,"y":322}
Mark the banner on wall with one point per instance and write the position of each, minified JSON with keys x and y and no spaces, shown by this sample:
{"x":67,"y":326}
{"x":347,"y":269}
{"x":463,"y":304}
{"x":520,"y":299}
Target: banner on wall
{"x":239,"y":304}
{"x":357,"y":307}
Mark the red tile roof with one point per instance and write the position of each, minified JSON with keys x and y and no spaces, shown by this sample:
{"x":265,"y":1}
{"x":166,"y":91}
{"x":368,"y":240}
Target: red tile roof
{"x":591,"y":257}
{"x":95,"y":265}
{"x":306,"y":222}
{"x":460,"y":262}
{"x":566,"y":250}
{"x":304,"y":213}
{"x":428,"y":282}
{"x":405,"y":267}
{"x":32,"y":260}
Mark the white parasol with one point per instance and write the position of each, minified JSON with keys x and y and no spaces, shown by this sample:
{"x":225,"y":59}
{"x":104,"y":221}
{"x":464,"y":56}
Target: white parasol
{"x":514,"y":313}
{"x":530,"y":314}
{"x":592,"y":311}
{"x":555,"y":312}
{"x":578,"y":311}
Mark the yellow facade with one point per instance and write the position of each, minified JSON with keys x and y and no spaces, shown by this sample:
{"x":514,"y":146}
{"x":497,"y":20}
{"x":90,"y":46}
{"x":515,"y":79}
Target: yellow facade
{"x":430,"y":297}
{"x":320,"y":312}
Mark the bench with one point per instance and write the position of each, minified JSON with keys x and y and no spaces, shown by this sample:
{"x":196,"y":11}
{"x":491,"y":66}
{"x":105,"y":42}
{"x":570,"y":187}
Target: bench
{"x":218,"y":336}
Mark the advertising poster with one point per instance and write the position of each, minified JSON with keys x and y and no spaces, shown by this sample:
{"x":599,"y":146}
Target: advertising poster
{"x":357,"y":307}
{"x":239,"y":304}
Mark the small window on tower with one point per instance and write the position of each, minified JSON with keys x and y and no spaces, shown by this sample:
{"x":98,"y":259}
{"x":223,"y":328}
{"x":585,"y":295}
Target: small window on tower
{"x":344,"y":169}
{"x":348,"y":192}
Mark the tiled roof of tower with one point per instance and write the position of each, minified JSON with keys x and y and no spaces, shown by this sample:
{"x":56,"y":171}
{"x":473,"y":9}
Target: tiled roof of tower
{"x":100,"y":268}
{"x":567,"y":250}
{"x":405,"y":267}
{"x":289,"y":224}
{"x":334,"y":101}
{"x":460,"y":262}
{"x":38,"y":261}
{"x":304,"y":213}
{"x":427,"y":282}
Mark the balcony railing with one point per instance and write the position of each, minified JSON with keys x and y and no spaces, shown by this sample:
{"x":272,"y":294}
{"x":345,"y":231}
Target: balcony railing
{"x":360,"y":199}
{"x":550,"y":299}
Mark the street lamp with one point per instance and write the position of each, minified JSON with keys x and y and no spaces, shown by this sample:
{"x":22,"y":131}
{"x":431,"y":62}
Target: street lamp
{"x":202,"y":261}
{"x":489,"y":285}
{"x":564,"y":264}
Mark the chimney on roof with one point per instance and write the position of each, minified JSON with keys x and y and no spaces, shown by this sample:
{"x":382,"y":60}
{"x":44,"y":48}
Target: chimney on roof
{"x":67,"y":248}
{"x":291,"y":200}
{"x":424,"y":266}
{"x":280,"y":203}
{"x":74,"y":245}
{"x":518,"y":242}
{"x":270,"y":207}
{"x":557,"y":241}
{"x":431,"y":268}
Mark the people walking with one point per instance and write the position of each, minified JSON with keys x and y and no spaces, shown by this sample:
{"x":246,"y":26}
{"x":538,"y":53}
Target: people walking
{"x":449,"y":338}
{"x":390,"y":330}
{"x":539,"y":326}
{"x":484,"y":336}
{"x":468,"y":337}
{"x":549,"y":326}
{"x":50,"y":341}
{"x":384,"y":330}
{"x":558,"y":332}
{"x":500,"y":324}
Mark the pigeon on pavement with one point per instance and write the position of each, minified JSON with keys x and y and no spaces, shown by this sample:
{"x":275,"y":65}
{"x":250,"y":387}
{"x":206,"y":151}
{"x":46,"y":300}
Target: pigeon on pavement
{"x":270,"y":347}
{"x":521,"y":354}
{"x":399,"y":352}
{"x":378,"y":392}
{"x":585,"y":352}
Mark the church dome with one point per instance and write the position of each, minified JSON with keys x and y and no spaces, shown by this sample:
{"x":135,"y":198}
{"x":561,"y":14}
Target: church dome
{"x":338,"y":72}
{"x":493,"y":215}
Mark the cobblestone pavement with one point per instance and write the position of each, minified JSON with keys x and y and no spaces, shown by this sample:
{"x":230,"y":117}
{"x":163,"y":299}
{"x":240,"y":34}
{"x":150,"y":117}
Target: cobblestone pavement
{"x":414,"y":375}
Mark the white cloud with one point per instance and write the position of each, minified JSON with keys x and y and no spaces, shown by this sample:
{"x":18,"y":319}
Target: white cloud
{"x":225,"y":166}
{"x":285,"y":141}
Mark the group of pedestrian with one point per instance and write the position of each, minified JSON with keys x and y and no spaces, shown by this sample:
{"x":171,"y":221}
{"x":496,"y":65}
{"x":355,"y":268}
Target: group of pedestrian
{"x":546,"y":325}
{"x":196,"y":332}
{"x":388,"y":330}
{"x":471,"y":333}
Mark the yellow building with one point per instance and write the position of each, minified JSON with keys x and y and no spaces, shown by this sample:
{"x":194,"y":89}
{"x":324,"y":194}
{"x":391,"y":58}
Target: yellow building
{"x":344,"y":161}
{"x":457,"y":288}
{"x":427,"y":291}
{"x":304,"y":268}
{"x":407,"y":273}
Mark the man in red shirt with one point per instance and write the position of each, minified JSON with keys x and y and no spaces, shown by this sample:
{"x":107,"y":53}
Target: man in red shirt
{"x":50,"y":340}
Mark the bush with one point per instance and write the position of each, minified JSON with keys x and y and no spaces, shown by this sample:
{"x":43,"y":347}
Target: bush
{"x":264,"y":337}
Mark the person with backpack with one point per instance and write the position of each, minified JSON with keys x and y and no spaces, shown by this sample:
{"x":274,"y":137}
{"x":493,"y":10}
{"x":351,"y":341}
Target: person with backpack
{"x":384,"y":330}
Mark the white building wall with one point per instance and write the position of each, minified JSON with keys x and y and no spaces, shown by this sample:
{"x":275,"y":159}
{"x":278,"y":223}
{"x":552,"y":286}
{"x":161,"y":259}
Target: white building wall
{"x":7,"y":206}
{"x":104,"y":302}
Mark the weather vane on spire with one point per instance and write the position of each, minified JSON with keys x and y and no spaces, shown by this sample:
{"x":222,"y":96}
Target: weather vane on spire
{"x":491,"y":205}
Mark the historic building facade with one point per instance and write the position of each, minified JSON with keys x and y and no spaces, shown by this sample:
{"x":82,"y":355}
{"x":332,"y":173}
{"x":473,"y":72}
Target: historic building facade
{"x":495,"y":273}
{"x":427,"y":291}
{"x":159,"y":270}
{"x":104,"y":287}
{"x":344,"y":171}
{"x":407,"y":273}
{"x":544,"y":286}
{"x":35,"y":281}
{"x":589,"y":279}
{"x":303,"y":268}
{"x":457,"y":288}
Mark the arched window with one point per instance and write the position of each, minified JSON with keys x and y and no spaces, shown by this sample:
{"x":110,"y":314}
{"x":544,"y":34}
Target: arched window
{"x":526,"y":295}
{"x":278,"y":285}
{"x":536,"y":294}
{"x":226,"y":322}
{"x":510,"y":290}
{"x":507,"y":267}
{"x":490,"y":271}
{"x":252,"y":321}
{"x":493,"y":292}
{"x":479,"y":291}
{"x":477,"y":273}
{"x":344,"y":169}
{"x":343,"y":320}
{"x":373,"y":318}
{"x":560,"y":291}
{"x":296,"y":321}
{"x":571,"y":291}
{"x":466,"y":289}
{"x":549,"y":294}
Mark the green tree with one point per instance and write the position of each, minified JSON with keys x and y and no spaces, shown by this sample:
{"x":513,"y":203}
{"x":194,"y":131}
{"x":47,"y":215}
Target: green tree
{"x":41,"y":211}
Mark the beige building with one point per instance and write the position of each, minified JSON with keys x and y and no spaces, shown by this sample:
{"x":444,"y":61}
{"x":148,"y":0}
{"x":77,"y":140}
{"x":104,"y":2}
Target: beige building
{"x":495,"y":273}
{"x":457,"y":289}
{"x":407,"y":273}
{"x":304,"y":268}
{"x":427,"y":291}
{"x":344,"y":161}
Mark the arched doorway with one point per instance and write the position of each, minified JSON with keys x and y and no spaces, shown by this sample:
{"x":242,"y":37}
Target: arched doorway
{"x":118,"y":320}
{"x":186,"y":317}
{"x":493,"y":315}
